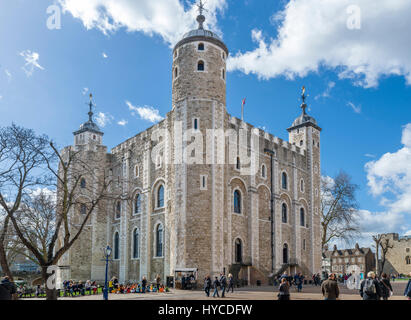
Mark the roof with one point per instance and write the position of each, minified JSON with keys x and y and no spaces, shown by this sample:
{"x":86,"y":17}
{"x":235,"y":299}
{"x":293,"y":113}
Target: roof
{"x":89,"y":126}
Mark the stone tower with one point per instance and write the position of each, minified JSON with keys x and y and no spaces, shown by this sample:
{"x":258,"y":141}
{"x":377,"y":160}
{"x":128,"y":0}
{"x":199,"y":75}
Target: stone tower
{"x":199,"y":105}
{"x":305,"y":133}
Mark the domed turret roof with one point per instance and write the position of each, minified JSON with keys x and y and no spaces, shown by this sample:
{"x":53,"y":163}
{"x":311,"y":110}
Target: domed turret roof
{"x":202,"y":33}
{"x":89,"y":126}
{"x":304,"y":119}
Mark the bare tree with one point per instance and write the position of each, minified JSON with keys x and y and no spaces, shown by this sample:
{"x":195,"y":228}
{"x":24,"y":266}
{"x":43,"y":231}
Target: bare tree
{"x":49,"y":223}
{"x":338,"y":208}
{"x":385,"y":247}
{"x":377,"y":240}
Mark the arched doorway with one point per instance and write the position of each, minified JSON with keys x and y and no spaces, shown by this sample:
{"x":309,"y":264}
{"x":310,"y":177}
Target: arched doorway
{"x":238,"y":251}
{"x":285,"y":253}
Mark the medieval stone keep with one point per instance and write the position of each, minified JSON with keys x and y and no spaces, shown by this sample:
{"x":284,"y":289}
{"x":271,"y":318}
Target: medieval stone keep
{"x":194,"y":191}
{"x":398,"y":258}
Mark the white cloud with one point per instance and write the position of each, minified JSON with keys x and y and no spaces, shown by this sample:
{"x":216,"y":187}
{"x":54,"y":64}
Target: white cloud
{"x":369,"y":155}
{"x":146,"y":113}
{"x":326,"y":93}
{"x":390,"y":176}
{"x":356,"y":109}
{"x":32,"y":62}
{"x":103,"y":119}
{"x":314,"y":34}
{"x":408,"y":233}
{"x":84,"y":92}
{"x":122,"y":122}
{"x":166,"y":18}
{"x":105,"y":56}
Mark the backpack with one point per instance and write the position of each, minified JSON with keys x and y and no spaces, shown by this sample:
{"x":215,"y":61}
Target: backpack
{"x":369,"y":287}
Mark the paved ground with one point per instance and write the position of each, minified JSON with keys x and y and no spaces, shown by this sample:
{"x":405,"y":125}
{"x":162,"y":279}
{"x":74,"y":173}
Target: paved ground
{"x":250,"y":293}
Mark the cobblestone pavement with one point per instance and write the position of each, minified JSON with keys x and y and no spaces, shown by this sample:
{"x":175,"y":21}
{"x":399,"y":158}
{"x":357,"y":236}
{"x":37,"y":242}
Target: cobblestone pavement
{"x":250,"y":293}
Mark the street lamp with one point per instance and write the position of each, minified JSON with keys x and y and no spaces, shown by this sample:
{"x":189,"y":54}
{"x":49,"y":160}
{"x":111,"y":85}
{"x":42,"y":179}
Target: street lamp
{"x":271,"y":153}
{"x":107,"y":253}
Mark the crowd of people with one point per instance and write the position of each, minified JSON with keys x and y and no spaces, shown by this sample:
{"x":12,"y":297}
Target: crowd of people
{"x":139,"y":287}
{"x":224,"y":283}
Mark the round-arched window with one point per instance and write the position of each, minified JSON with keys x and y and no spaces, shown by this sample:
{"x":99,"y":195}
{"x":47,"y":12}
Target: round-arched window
{"x":200,"y":66}
{"x":284,"y":213}
{"x":237,"y":201}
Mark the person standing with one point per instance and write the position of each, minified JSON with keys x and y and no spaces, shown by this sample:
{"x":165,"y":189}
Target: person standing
{"x":284,"y":293}
{"x":386,"y":288}
{"x":299,"y":282}
{"x":223,"y":284}
{"x":7,"y":289}
{"x":407,"y":291}
{"x":207,"y":285}
{"x":144,"y":284}
{"x":158,"y":282}
{"x":216,"y":285}
{"x":230,"y":283}
{"x":330,"y":288}
{"x":370,"y":288}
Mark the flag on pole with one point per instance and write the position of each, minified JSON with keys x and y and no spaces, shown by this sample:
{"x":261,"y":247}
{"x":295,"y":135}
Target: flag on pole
{"x":242,"y":109}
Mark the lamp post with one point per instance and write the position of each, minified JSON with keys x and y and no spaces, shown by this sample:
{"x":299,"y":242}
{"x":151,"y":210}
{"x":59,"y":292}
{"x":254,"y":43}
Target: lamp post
{"x":107,"y":253}
{"x":271,"y":153}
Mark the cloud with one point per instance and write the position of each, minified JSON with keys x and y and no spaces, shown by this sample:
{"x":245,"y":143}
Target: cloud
{"x":315,"y":33}
{"x":326,"y":93}
{"x":32,"y":62}
{"x":84,"y":92}
{"x":167,"y":18}
{"x":356,"y":109}
{"x":8,"y":74}
{"x":408,"y":233}
{"x":103,"y":119}
{"x":368,"y":155}
{"x":105,"y":56}
{"x":146,"y":113}
{"x":390,"y":176}
{"x":122,"y":122}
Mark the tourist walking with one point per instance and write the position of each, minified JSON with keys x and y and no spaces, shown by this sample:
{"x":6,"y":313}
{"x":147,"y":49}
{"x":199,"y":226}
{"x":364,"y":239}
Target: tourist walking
{"x":407,"y":291}
{"x":144,"y":284}
{"x":299,"y":280}
{"x":386,"y":288}
{"x":7,"y":289}
{"x":223,"y":284}
{"x":330,"y":288}
{"x":370,"y":288}
{"x":284,"y":291}
{"x":207,"y":285}
{"x":216,"y":285}
{"x":230,"y":283}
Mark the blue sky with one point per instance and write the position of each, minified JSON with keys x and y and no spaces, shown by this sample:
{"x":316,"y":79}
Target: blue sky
{"x":358,"y":79}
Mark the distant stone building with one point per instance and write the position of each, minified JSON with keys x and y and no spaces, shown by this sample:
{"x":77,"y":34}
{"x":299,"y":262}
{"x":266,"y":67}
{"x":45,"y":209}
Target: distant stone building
{"x":347,"y":260}
{"x":189,"y":209}
{"x":398,"y":259}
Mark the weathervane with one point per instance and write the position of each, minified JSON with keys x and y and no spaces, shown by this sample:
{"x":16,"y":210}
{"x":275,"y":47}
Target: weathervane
{"x":200,"y":17}
{"x":91,"y":104}
{"x":303,"y":97}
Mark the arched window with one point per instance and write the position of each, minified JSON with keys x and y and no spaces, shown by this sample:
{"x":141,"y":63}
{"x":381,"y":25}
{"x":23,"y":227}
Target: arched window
{"x":175,"y":73}
{"x":302,"y":217}
{"x":285,"y":253}
{"x":83,"y":183}
{"x":136,"y":244}
{"x":136,"y":171}
{"x":159,"y":240}
{"x":118,"y":210}
{"x":137,"y":204}
{"x":200,"y":66}
{"x":284,"y":213}
{"x":201,"y":47}
{"x":408,"y":260}
{"x":238,"y":251}
{"x":237,"y":201}
{"x":223,"y":74}
{"x":83,"y":209}
{"x":195,"y":124}
{"x":238,"y":164}
{"x":116,"y":246}
{"x":284,"y":182}
{"x":160,"y":197}
{"x":302,"y":185}
{"x":263,"y":171}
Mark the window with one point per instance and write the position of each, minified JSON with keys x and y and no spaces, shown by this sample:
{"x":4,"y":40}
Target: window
{"x":118,"y":210}
{"x":304,"y":243}
{"x":159,"y":240}
{"x":302,"y":217}
{"x":83,"y":209}
{"x":238,"y":164}
{"x":284,"y":181}
{"x":200,"y":66}
{"x":284,"y":213}
{"x":195,"y":124}
{"x":203,"y":182}
{"x":175,"y":73}
{"x":263,"y":171}
{"x":302,"y":185}
{"x":137,"y":204}
{"x":223,"y":55}
{"x":83,"y":183}
{"x":201,"y":47}
{"x":301,"y":142}
{"x":237,"y":201}
{"x":160,"y":197}
{"x":238,"y":251}
{"x":285,"y":253}
{"x":136,"y":171}
{"x":116,"y":246}
{"x":136,"y":244}
{"x":407,"y":250}
{"x":408,"y":260}
{"x":223,"y":74}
